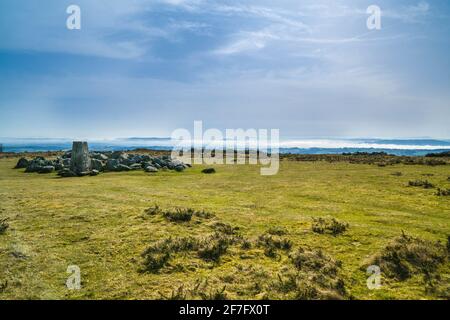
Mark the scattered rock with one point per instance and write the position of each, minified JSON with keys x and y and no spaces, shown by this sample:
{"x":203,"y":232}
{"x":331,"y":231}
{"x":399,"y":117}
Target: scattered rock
{"x":136,"y":166}
{"x":22,"y":163}
{"x":67,"y":173}
{"x":112,"y":164}
{"x":97,"y":165}
{"x":80,"y":162}
{"x":99,"y":156}
{"x":46,"y":169}
{"x":122,"y":167}
{"x":151,"y":169}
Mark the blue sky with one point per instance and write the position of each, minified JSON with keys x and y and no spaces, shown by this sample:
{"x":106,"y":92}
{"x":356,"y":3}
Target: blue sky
{"x":146,"y":67}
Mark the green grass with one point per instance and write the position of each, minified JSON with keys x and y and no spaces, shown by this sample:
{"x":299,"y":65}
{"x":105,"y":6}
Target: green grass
{"x":99,"y":224}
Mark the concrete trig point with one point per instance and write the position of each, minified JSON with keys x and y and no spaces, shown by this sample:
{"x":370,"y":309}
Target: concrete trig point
{"x":81,"y":161}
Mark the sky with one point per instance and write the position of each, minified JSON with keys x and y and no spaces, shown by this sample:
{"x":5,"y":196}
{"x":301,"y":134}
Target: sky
{"x":143,"y":68}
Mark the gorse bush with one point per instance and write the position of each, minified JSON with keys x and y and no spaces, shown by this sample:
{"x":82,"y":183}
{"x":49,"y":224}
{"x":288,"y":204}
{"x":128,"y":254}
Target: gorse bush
{"x":277,"y":231}
{"x":153,"y":262}
{"x":443,"y":192}
{"x":153,"y":210}
{"x":270,"y":243}
{"x":314,"y":275}
{"x":209,"y":248}
{"x":421,"y":183}
{"x":407,"y":255}
{"x":3,"y":285}
{"x":314,"y":260}
{"x":214,"y":294}
{"x":213,"y":247}
{"x":329,"y":225}
{"x":225,"y":228}
{"x":179,"y":214}
{"x":448,"y":244}
{"x":158,"y":255}
{"x":200,"y":290}
{"x":178,"y":294}
{"x":204,"y":214}
{"x":3,"y":225}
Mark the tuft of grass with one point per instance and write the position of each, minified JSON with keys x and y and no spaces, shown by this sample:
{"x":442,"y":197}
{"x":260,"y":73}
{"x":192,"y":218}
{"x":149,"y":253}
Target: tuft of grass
{"x":4,"y":225}
{"x":329,"y":225}
{"x":407,"y":255}
{"x":421,"y":183}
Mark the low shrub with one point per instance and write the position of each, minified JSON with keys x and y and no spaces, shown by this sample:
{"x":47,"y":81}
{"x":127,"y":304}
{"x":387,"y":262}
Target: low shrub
{"x":4,"y":225}
{"x":298,"y":285}
{"x":158,"y":254}
{"x":179,"y":215}
{"x":213,"y":247}
{"x":204,"y":214}
{"x":314,"y":276}
{"x":214,"y":294}
{"x":246,"y":244}
{"x":310,"y":260}
{"x":178,"y":294}
{"x":448,"y":244}
{"x":277,"y":231}
{"x":225,"y":228}
{"x":153,"y":262}
{"x":3,"y":285}
{"x":443,"y":192}
{"x":329,"y":225}
{"x":407,"y":255}
{"x":200,"y":290}
{"x":421,"y":183}
{"x":270,"y":242}
{"x":152,"y":211}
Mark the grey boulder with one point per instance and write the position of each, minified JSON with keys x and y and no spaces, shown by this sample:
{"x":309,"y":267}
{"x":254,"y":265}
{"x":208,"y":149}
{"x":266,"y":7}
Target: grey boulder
{"x":150,"y":169}
{"x":97,"y":165}
{"x":22,"y":163}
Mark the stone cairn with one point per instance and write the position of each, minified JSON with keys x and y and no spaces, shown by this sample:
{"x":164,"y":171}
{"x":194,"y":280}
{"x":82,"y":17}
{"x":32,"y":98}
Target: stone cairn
{"x":80,"y":162}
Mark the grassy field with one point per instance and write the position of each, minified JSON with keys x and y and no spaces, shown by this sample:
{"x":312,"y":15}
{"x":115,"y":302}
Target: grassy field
{"x":99,"y":224}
